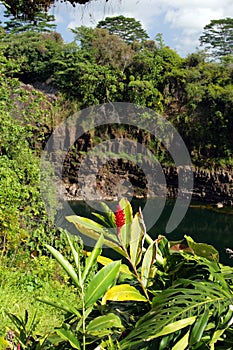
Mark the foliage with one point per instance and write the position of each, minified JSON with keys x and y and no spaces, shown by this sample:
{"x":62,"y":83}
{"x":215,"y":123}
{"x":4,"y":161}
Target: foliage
{"x":19,"y":6}
{"x":85,"y":81}
{"x":22,"y":280}
{"x":26,"y":117}
{"x":82,"y":327}
{"x":40,"y":23}
{"x":104,"y":48}
{"x":36,"y":51}
{"x":187,"y":301}
{"x":100,"y":67}
{"x":217,"y":37}
{"x":186,"y":272}
{"x":127,"y":28}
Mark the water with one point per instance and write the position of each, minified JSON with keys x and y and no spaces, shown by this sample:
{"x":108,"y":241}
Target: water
{"x":203,"y":223}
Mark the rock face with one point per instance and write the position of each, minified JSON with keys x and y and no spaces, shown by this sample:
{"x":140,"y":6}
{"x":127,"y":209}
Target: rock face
{"x":214,"y":186}
{"x":124,"y":178}
{"x":111,"y":172}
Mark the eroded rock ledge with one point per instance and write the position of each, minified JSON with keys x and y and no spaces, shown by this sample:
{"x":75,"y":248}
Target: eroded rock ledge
{"x":123,"y":178}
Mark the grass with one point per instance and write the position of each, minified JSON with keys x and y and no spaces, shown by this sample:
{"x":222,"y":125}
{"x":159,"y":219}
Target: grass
{"x":21,"y":285}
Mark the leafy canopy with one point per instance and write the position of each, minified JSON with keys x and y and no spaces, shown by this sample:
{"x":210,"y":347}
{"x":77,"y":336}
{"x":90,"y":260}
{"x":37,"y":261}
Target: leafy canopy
{"x":127,"y":28}
{"x":42,"y":22}
{"x":217,"y":37}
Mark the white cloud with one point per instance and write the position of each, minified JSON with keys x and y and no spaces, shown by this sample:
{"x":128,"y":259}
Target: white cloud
{"x":181,"y":21}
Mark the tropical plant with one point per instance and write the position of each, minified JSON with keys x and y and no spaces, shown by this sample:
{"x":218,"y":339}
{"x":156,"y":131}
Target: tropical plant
{"x":85,"y":324}
{"x":187,"y":301}
{"x":189,"y":291}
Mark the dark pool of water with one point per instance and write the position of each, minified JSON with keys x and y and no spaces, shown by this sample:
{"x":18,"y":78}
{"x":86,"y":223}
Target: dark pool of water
{"x":203,"y":223}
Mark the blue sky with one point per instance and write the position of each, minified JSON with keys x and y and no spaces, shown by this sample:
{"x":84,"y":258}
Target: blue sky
{"x":180,"y":21}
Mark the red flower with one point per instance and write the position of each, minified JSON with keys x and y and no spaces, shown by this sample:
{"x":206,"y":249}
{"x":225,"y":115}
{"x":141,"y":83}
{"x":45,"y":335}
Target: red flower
{"x":119,"y":218}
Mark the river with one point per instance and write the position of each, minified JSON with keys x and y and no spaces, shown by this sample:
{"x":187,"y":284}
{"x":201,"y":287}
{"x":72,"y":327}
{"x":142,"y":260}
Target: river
{"x":204,"y":223}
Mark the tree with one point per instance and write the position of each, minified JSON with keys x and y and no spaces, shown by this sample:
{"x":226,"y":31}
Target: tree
{"x":42,"y":22}
{"x":21,"y":6}
{"x":105,"y":48}
{"x":36,"y":51}
{"x":217,"y":37}
{"x":127,"y":28}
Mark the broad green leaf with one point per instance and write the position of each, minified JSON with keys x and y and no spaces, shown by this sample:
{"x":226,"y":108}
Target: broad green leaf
{"x":67,"y":335}
{"x":65,"y":264}
{"x":136,"y":240}
{"x":106,"y":261}
{"x":183,"y":299}
{"x":147,"y":262}
{"x":174,"y":327}
{"x":125,"y":231}
{"x":92,"y":258}
{"x":104,"y":323}
{"x":62,"y":306}
{"x":182,"y":343}
{"x":101,"y":282}
{"x":84,"y":226}
{"x":81,"y":222}
{"x":123,"y":292}
{"x":198,"y":328}
{"x":202,"y":249}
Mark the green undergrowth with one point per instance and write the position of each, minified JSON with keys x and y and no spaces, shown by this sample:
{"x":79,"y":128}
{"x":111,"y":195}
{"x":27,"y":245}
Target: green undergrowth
{"x":20,"y":285}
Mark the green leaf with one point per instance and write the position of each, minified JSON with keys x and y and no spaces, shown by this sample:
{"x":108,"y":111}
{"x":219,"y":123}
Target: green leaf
{"x":93,"y":230}
{"x":182,"y":343}
{"x":202,"y":249}
{"x":91,"y":260}
{"x":61,"y":306}
{"x":18,"y":322}
{"x":67,"y":335}
{"x":184,"y":299}
{"x":125,"y":231}
{"x":106,"y":261}
{"x":162,"y":251}
{"x":74,"y":252}
{"x":101,"y":282}
{"x":89,"y":225}
{"x":65,"y":264}
{"x":103,"y":219}
{"x":104,"y":323}
{"x":198,"y":328}
{"x":147,"y":263}
{"x":174,"y":327}
{"x":109,"y":213}
{"x":123,"y":292}
{"x":136,"y":240}
{"x":216,"y":336}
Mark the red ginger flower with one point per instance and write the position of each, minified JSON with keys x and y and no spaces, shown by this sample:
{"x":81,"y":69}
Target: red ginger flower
{"x":119,"y":218}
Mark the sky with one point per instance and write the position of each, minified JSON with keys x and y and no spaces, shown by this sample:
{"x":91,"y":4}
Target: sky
{"x":180,"y":21}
